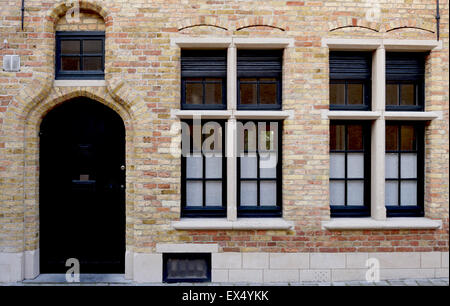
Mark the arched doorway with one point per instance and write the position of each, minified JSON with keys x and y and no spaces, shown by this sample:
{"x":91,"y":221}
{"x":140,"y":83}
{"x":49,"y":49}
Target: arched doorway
{"x":82,"y":188}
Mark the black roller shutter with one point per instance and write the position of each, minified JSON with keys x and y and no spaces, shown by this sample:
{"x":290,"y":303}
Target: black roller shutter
{"x":405,"y":66}
{"x":259,"y":63}
{"x":350,"y":65}
{"x":203,"y":63}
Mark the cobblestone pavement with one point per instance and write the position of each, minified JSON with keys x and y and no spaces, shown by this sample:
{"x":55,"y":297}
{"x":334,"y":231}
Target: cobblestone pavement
{"x":403,"y":282}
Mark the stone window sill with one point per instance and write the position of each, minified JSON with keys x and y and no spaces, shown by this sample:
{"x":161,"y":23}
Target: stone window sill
{"x":388,"y":224}
{"x":80,"y":83}
{"x":239,"y":224}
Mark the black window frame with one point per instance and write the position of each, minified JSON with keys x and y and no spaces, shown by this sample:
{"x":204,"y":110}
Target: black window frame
{"x":337,"y":211}
{"x":418,"y":210}
{"x":81,"y":74}
{"x":352,"y":67}
{"x":407,"y":68}
{"x":260,"y":64}
{"x":204,"y":211}
{"x":192,"y":256}
{"x":261,"y":211}
{"x":203,"y":64}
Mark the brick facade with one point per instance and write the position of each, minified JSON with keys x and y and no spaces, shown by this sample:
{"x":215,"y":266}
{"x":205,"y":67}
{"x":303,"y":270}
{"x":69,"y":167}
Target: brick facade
{"x":142,"y":84}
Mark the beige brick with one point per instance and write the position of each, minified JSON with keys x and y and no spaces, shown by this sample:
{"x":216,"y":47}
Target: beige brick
{"x":397,"y":260}
{"x":246,"y":276}
{"x":219,"y":276}
{"x":281,"y":276}
{"x":255,"y":260}
{"x":430,"y":260}
{"x":226,"y":260}
{"x":289,"y":261}
{"x":327,"y":260}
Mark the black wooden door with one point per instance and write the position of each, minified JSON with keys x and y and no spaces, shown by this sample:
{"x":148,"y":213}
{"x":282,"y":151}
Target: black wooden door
{"x":82,"y":188}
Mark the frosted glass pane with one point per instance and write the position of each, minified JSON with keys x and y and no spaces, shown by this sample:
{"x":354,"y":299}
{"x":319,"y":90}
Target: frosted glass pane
{"x":355,"y":165}
{"x":248,"y":167}
{"x":213,"y":167}
{"x":355,"y":193}
{"x":337,"y":165}
{"x":391,"y":165}
{"x":213,"y":194}
{"x":408,"y":165}
{"x":268,"y":165}
{"x":194,"y":191}
{"x":248,"y":193}
{"x":391,"y":193}
{"x":268,"y":192}
{"x":408,"y":193}
{"x":337,"y":193}
{"x":194,"y":167}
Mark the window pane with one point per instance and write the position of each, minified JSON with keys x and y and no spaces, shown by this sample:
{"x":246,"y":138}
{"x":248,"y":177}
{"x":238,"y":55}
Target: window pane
{"x":337,"y":193}
{"x":391,"y":137}
{"x":268,"y":165}
{"x":355,"y":137}
{"x":70,"y":47}
{"x":408,"y":193}
{"x":92,"y":46}
{"x":337,"y":94}
{"x":337,"y":165}
{"x":213,"y":93}
{"x":213,"y":195}
{"x":409,"y":165}
{"x":70,"y":63}
{"x":355,"y":94}
{"x":268,"y":194}
{"x":407,"y":97}
{"x":249,"y":193}
{"x":408,"y":138}
{"x":391,"y":94}
{"x":213,"y":167}
{"x":337,"y":137}
{"x":194,"y":192}
{"x":355,"y":165}
{"x":248,"y":94}
{"x":268,"y":93}
{"x":194,"y":167}
{"x":92,"y":63}
{"x":391,"y":169}
{"x":355,"y":193}
{"x":248,"y":167}
{"x":194,"y":93}
{"x":391,"y":193}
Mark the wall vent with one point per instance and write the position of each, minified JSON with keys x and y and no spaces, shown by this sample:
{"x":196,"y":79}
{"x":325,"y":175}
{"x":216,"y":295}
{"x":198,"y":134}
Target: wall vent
{"x":11,"y":63}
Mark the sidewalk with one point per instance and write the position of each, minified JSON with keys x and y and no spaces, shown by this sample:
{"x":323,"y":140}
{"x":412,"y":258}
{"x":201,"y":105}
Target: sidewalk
{"x":116,"y":281}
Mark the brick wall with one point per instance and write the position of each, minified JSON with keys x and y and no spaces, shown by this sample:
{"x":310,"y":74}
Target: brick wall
{"x":143,"y":84}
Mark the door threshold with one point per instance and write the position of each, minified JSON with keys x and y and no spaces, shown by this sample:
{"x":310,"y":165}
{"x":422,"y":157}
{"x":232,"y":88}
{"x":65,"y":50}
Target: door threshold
{"x":84,"y":278}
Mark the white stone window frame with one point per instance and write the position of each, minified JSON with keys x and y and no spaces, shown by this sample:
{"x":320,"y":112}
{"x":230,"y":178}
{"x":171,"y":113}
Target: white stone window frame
{"x":378,"y":115}
{"x":232,"y":115}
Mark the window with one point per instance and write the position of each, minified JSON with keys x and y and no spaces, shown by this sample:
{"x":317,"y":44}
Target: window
{"x":80,"y":55}
{"x":259,"y":79}
{"x":190,"y":267}
{"x":203,"y":79}
{"x":203,"y":169}
{"x":259,"y":168}
{"x":405,"y":81}
{"x":404,"y":169}
{"x":349,"y":169}
{"x":350,"y":80}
